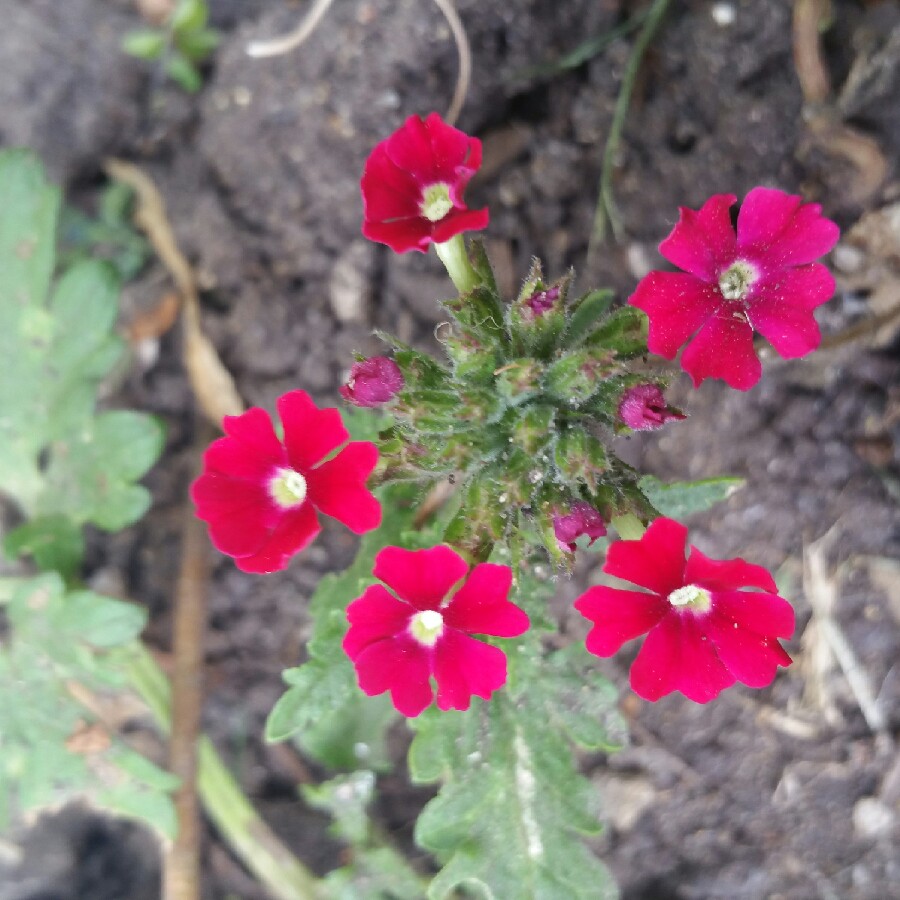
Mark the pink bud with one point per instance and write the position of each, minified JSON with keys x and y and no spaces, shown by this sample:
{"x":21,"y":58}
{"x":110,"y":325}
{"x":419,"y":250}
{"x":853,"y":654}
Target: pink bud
{"x":541,"y":301}
{"x":582,"y":519}
{"x":372,"y":382}
{"x":644,"y":408}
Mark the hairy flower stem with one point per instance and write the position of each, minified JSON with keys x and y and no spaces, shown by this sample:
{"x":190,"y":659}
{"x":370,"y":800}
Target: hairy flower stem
{"x":455,"y":258}
{"x":240,"y":825}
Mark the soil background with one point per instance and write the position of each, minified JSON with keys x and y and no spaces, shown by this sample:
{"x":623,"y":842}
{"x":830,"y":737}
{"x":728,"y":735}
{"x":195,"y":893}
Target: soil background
{"x":781,"y":793}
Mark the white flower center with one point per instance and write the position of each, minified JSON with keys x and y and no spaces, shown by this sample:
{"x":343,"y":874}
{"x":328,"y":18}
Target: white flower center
{"x":427,"y":626}
{"x":735,"y":282}
{"x":696,"y":599}
{"x":287,"y":488}
{"x":436,"y":202}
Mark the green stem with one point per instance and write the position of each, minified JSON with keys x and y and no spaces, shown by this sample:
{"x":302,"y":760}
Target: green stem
{"x":226,"y":804}
{"x":455,"y":258}
{"x":606,"y":204}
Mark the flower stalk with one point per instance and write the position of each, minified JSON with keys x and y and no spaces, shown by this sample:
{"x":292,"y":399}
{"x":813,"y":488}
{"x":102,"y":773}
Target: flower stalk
{"x":453,"y":255}
{"x":257,"y":846}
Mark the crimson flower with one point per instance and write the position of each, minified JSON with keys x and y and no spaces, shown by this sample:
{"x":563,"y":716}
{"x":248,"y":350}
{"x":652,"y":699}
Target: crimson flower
{"x":581,"y":519}
{"x":413,"y":183}
{"x":703,"y":632}
{"x":761,"y":278}
{"x":260,"y":496}
{"x":644,"y":408}
{"x":372,"y":382}
{"x":398,"y":641}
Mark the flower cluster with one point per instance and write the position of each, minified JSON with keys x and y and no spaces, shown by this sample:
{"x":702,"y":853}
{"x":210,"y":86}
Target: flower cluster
{"x":518,"y":418}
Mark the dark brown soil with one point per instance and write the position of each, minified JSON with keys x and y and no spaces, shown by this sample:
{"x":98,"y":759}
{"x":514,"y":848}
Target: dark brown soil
{"x":761,"y":794}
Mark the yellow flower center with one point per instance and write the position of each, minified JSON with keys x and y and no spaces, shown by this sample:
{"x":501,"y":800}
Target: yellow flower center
{"x":696,"y":599}
{"x":427,"y":626}
{"x":436,"y":202}
{"x":287,"y":488}
{"x":735,"y":282}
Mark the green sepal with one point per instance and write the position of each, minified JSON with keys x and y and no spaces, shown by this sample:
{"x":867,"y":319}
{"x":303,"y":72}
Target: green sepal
{"x":623,"y":331}
{"x":533,"y":430}
{"x":519,"y":380}
{"x":537,"y":333}
{"x":574,"y":377}
{"x":472,"y":363}
{"x":580,"y":459}
{"x":480,"y":315}
{"x":584,"y":314}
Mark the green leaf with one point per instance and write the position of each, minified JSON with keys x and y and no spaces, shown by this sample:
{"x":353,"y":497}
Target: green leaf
{"x":55,"y":542}
{"x":53,"y":749}
{"x":585,"y":315}
{"x":189,"y":15}
{"x":198,"y":45}
{"x":184,"y":73}
{"x":684,"y":498}
{"x":144,"y":43}
{"x":508,"y":817}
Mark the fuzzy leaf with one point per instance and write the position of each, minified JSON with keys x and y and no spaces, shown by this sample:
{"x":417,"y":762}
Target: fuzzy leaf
{"x":55,"y":542}
{"x":684,"y":498}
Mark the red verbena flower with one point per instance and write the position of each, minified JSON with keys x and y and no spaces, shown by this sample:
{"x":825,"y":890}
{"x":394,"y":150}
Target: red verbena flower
{"x":398,"y":641}
{"x":372,"y":382}
{"x":703,"y":632}
{"x":260,"y":496}
{"x":761,"y":278}
{"x":413,"y":184}
{"x":644,"y":408}
{"x":581,"y":519}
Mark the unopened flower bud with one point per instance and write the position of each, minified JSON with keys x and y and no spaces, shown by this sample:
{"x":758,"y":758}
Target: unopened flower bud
{"x":582,"y":519}
{"x":541,"y":301}
{"x":372,"y":382}
{"x":644,"y":408}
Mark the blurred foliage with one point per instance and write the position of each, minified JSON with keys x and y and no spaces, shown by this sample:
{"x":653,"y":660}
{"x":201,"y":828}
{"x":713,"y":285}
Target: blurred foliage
{"x":181,"y":45}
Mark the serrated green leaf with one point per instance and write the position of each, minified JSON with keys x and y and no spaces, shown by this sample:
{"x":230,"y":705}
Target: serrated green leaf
{"x":144,"y":43}
{"x":684,"y":498}
{"x":55,"y":542}
{"x":100,"y":621}
{"x":135,"y":802}
{"x":507,"y":819}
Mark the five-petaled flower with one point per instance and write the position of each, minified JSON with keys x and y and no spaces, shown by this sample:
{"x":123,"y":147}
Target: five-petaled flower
{"x":581,"y":519}
{"x":703,"y":632}
{"x":260,"y":496}
{"x":762,"y":278}
{"x":644,"y":408}
{"x":413,"y":184}
{"x":372,"y":382}
{"x":398,"y":641}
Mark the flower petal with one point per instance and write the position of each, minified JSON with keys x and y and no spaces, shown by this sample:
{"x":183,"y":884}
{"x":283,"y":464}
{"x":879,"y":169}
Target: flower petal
{"x":758,"y":611}
{"x":677,"y":656}
{"x":253,"y":430}
{"x":750,"y":657}
{"x":410,"y":148}
{"x":239,"y":513}
{"x":464,"y":667}
{"x":725,"y":574}
{"x":387,"y":192}
{"x":240,"y":461}
{"x":374,"y":616}
{"x":703,"y":241}
{"x":677,"y":305}
{"x":781,"y":308}
{"x":338,"y":487}
{"x":451,"y":148}
{"x":421,"y":577}
{"x":402,"y":235}
{"x":296,"y":529}
{"x":457,"y":221}
{"x":656,"y":561}
{"x":778,"y":229}
{"x":481,"y":606}
{"x":398,"y":665}
{"x":723,"y":348}
{"x":310,"y":433}
{"x":618,"y":616}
